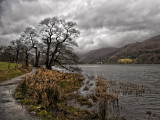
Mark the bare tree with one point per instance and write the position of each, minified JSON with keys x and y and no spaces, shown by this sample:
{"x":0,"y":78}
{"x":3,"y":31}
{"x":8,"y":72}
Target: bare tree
{"x":38,"y":50}
{"x":66,"y":58}
{"x":30,"y":41}
{"x":57,"y":34}
{"x":7,"y":54}
{"x":17,"y":47}
{"x":9,"y":51}
{"x":3,"y":54}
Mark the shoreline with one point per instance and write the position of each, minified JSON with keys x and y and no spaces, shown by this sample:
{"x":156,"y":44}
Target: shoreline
{"x":9,"y":108}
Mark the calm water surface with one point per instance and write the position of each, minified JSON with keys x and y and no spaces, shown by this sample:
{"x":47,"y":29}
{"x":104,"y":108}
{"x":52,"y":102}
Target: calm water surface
{"x":133,"y":108}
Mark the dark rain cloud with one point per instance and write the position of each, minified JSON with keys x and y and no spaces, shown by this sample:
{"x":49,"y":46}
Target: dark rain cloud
{"x":103,"y":23}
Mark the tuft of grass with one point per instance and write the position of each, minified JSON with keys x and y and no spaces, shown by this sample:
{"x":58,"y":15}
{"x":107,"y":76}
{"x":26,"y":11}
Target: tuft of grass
{"x":47,"y":93}
{"x":6,"y":73}
{"x":103,"y":97}
{"x":84,"y":101}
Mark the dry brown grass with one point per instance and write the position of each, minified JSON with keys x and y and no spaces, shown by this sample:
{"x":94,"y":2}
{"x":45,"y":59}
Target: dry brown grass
{"x":48,"y":86}
{"x":106,"y":95}
{"x":50,"y":90}
{"x":101,"y":91}
{"x":103,"y":97}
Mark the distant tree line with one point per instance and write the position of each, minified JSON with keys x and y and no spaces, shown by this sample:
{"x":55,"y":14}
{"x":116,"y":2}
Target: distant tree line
{"x":49,"y":44}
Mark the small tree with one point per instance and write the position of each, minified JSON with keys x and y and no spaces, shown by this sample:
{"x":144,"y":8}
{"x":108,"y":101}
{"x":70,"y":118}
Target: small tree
{"x":57,"y":34}
{"x":30,"y":41}
{"x":38,"y":51}
{"x":6,"y":53}
{"x":16,"y":47}
{"x":9,"y":51}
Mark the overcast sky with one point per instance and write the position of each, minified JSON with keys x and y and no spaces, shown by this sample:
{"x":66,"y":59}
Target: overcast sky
{"x":102,"y":23}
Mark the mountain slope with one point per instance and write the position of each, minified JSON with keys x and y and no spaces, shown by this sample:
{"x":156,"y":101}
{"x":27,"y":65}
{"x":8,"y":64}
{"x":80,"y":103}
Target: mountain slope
{"x":96,"y":55}
{"x":146,"y":52}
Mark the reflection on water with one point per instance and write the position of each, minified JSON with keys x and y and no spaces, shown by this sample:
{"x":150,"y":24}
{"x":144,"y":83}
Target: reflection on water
{"x":146,"y":107}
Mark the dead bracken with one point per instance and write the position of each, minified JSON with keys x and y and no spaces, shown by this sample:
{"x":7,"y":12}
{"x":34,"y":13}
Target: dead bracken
{"x":47,"y":91}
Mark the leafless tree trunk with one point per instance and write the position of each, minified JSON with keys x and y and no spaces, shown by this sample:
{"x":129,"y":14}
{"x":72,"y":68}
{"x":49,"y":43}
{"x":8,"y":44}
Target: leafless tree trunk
{"x":26,"y":52}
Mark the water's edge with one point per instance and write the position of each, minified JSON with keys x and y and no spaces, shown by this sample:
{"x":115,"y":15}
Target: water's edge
{"x":9,"y":108}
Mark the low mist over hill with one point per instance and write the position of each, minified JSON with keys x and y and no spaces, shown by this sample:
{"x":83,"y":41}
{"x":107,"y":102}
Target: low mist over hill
{"x":146,"y":52}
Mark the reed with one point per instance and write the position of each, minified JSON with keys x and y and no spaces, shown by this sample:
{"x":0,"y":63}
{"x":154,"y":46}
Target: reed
{"x":103,"y":97}
{"x":48,"y":91}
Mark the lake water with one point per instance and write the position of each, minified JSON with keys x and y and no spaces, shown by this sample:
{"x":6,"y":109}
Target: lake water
{"x":133,"y":108}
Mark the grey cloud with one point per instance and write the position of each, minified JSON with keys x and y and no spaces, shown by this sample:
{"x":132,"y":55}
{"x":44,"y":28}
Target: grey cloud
{"x":6,"y":39}
{"x":18,"y":14}
{"x":129,"y":21}
{"x":1,"y":10}
{"x":123,"y":16}
{"x":102,"y":23}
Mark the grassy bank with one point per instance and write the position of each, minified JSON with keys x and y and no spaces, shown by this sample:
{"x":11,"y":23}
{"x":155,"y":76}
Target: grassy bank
{"x":13,"y":71}
{"x":4,"y":65}
{"x":47,"y":92}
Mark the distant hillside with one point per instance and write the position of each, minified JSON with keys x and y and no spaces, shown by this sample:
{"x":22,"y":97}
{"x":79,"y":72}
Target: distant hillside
{"x":97,"y":55}
{"x":146,"y":52}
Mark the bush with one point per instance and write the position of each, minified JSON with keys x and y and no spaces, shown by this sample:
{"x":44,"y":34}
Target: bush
{"x":125,"y":61}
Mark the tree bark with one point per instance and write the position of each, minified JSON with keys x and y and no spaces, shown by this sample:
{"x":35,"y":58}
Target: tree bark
{"x":37,"y":58}
{"x":26,"y":57}
{"x":47,"y":55}
{"x":53,"y":56}
{"x":9,"y":65}
{"x":17,"y":56}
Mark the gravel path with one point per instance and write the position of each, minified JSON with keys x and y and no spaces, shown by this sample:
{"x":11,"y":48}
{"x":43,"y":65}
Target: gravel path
{"x":9,"y":108}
